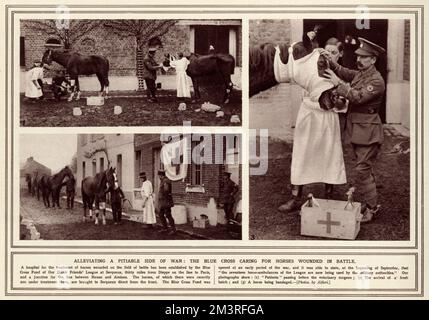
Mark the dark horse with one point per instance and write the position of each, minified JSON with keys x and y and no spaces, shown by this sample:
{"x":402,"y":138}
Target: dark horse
{"x":261,"y":67}
{"x":94,"y":190}
{"x":51,"y":185}
{"x":28,"y":180}
{"x":78,"y":64}
{"x":220,"y":64}
{"x":35,"y":185}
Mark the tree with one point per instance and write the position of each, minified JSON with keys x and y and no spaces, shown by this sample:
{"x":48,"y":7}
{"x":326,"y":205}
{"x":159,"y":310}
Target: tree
{"x":143,"y":31}
{"x":69,"y":31}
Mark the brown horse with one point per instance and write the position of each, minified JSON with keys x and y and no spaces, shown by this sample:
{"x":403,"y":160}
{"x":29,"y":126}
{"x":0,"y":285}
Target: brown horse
{"x":261,"y":67}
{"x":51,"y":185}
{"x":78,"y":64}
{"x":94,"y":190}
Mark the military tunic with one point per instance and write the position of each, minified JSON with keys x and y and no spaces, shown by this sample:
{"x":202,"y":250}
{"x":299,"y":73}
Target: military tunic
{"x":364,"y":130}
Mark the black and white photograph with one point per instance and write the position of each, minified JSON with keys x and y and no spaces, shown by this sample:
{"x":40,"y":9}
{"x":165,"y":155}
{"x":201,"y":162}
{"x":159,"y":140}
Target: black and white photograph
{"x":334,"y":95}
{"x":142,"y":72}
{"x":130,"y":187}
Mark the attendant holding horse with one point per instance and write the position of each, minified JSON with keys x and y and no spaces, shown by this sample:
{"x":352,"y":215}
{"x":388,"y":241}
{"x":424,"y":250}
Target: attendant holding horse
{"x":149,"y":74}
{"x":116,"y":198}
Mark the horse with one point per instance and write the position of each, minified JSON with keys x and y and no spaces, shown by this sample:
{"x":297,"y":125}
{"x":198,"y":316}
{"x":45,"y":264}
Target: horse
{"x":262,"y":74}
{"x":220,"y":64}
{"x":28,"y":180}
{"x":51,"y":185}
{"x":35,"y":185}
{"x":77,"y":64}
{"x":94,"y":190}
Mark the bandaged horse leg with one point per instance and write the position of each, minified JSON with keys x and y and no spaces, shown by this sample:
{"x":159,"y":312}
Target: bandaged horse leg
{"x":365,"y":181}
{"x":96,"y":216}
{"x":72,"y":89}
{"x":77,"y":90}
{"x":102,"y":206}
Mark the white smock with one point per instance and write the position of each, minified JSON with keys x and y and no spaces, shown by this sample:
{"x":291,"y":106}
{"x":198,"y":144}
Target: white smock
{"x":182,"y":82}
{"x":317,"y":154}
{"x":146,"y":191}
{"x":31,"y":90}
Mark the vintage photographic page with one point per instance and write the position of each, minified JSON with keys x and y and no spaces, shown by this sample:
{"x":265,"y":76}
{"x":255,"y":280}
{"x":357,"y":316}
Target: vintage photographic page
{"x":213,"y":150}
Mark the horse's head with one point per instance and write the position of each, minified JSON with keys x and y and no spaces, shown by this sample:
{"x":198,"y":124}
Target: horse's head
{"x":47,"y":57}
{"x":111,"y":179}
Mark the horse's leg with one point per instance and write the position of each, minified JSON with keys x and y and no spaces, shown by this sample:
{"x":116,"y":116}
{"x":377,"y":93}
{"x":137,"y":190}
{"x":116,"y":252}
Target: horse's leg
{"x":196,"y":89}
{"x":100,"y":79}
{"x":58,"y":198}
{"x":228,"y":87}
{"x":102,"y":206}
{"x":85,"y":203}
{"x":73,"y":87}
{"x":77,"y":89}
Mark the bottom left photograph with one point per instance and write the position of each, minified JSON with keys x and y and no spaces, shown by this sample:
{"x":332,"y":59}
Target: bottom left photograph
{"x":130,"y":187}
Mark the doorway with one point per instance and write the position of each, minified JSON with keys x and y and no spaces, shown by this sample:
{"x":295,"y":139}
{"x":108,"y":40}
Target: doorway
{"x":376,"y":33}
{"x":217,"y":36}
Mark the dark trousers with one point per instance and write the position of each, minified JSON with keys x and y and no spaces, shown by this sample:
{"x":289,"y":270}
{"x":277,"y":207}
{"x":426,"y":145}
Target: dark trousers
{"x":70,"y":199}
{"x":229,"y":210}
{"x":117,"y":211}
{"x":151,"y":88}
{"x":164,"y":215}
{"x":365,"y":180}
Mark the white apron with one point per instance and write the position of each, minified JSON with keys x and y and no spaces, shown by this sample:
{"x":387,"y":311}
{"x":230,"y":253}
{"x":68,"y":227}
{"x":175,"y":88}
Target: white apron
{"x":146,"y":191}
{"x":31,"y":91}
{"x":317,"y":154}
{"x":182,"y":82}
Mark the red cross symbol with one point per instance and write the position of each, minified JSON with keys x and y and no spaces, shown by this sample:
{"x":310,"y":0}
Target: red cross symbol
{"x":328,"y":222}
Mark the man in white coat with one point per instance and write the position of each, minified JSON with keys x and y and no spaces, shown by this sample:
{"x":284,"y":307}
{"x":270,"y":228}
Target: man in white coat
{"x":182,"y":83}
{"x":33,"y":90}
{"x":149,"y":217}
{"x":317,"y":155}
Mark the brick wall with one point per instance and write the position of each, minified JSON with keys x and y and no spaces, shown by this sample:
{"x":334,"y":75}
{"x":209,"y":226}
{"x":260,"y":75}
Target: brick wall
{"x":211,"y":173}
{"x":267,"y":30}
{"x":121,"y":51}
{"x":407,"y":50}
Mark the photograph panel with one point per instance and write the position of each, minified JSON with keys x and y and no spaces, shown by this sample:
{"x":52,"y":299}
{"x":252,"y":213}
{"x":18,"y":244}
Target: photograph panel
{"x":130,"y":187}
{"x":335,"y":98}
{"x":81,"y":72}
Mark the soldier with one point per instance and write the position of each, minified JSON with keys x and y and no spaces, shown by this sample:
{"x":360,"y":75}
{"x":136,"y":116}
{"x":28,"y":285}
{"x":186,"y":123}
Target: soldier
{"x":149,"y":74}
{"x":165,"y":203}
{"x":227,"y":199}
{"x":70,"y":192}
{"x":364,"y":88}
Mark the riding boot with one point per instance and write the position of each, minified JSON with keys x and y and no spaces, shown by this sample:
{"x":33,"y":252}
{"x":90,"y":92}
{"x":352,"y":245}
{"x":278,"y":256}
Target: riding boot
{"x":295,"y":202}
{"x":329,"y":189}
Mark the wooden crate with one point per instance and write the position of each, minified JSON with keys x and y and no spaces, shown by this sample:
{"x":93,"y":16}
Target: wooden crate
{"x":331,"y":219}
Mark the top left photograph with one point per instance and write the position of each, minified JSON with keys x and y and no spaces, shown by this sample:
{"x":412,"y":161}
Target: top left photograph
{"x":144,"y":72}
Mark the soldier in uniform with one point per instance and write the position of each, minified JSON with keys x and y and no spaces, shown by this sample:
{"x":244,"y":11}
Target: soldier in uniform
{"x":227,"y":199}
{"x":364,"y":88}
{"x":149,"y":74}
{"x":165,"y":203}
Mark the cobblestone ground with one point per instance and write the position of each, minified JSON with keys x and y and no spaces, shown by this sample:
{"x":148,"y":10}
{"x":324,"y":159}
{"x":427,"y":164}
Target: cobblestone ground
{"x":136,"y":111}
{"x":64,"y":224}
{"x":392,"y":172}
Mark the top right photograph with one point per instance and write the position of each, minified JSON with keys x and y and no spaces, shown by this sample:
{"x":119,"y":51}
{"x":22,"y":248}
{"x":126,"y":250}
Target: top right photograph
{"x":335,"y":98}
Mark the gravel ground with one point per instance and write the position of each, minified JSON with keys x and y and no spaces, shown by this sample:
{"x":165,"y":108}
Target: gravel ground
{"x":269,"y":191}
{"x":136,"y":111}
{"x":64,"y":224}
